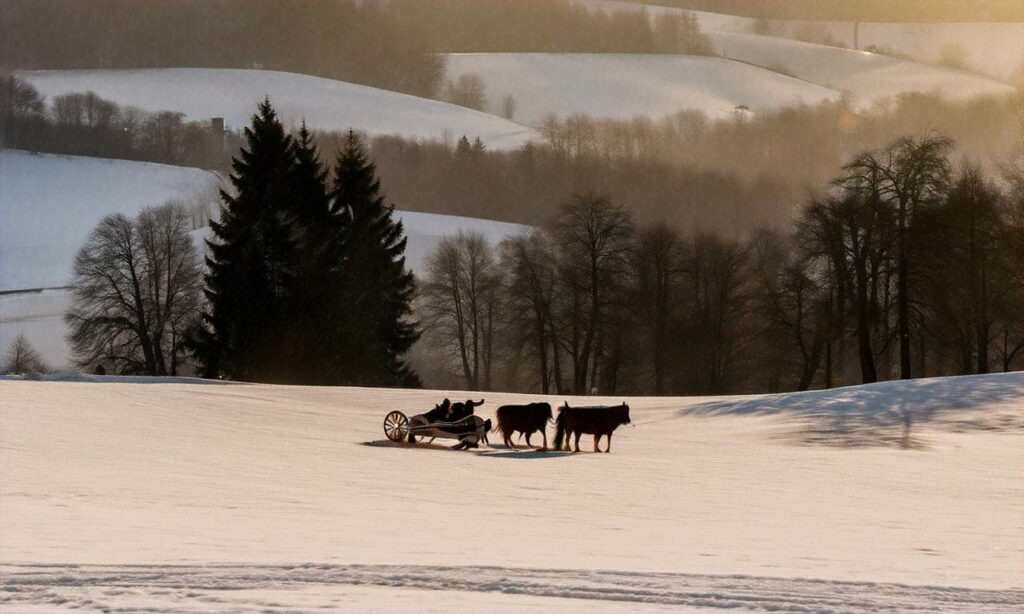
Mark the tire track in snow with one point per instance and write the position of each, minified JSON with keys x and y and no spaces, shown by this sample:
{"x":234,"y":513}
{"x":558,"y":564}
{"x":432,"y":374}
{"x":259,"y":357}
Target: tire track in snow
{"x":76,"y":586}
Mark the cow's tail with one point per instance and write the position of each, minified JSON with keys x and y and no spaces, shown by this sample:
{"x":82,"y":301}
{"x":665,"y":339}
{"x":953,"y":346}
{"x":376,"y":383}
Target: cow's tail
{"x":559,"y":430}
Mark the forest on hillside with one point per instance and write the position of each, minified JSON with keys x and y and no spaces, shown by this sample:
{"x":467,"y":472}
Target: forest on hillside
{"x":729,"y":175}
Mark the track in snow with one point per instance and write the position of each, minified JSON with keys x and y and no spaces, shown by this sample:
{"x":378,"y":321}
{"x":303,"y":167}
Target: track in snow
{"x":216,"y":588}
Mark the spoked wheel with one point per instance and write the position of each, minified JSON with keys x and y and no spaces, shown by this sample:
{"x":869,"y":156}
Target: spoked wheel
{"x":396,"y":426}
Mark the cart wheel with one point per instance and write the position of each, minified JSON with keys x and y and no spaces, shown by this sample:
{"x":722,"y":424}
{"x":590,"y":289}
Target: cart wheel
{"x":396,"y":426}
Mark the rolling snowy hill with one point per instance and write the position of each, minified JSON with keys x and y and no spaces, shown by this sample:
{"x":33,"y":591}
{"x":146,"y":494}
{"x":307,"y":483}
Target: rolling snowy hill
{"x":868,"y":77}
{"x":325,"y":104}
{"x":624,"y":86}
{"x":122,"y":495}
{"x":995,"y":49}
{"x":49,"y":204}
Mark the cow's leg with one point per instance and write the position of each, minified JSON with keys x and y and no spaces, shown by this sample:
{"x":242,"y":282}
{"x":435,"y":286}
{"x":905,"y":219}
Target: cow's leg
{"x":528,"y":444}
{"x":544,"y":432}
{"x":597,"y":441}
{"x":578,"y":435}
{"x":609,"y":448}
{"x":508,"y":441}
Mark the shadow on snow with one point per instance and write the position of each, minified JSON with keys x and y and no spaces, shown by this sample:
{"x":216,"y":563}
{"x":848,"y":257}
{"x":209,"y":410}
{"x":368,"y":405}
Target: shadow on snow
{"x":885,"y":414}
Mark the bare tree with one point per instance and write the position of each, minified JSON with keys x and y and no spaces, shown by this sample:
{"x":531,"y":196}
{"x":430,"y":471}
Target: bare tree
{"x":467,"y":91}
{"x":136,"y":291}
{"x":715,"y":315}
{"x":1010,"y":336}
{"x":20,"y":105}
{"x":907,"y":176}
{"x":793,"y":327}
{"x":23,"y":358}
{"x":655,"y":269}
{"x":593,"y":237}
{"x":530,"y":263}
{"x":461,"y":303}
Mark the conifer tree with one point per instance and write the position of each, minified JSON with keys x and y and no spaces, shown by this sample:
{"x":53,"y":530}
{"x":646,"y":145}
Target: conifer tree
{"x":310,"y":311}
{"x":252,"y":260}
{"x":373,"y":288}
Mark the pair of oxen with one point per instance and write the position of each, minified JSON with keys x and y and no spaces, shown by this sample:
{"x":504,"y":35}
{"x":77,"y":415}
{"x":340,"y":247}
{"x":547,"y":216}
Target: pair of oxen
{"x":457,"y":420}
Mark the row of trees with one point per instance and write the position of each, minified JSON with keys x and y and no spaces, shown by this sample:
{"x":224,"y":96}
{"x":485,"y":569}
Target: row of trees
{"x":85,"y":124}
{"x":907,"y":268}
{"x":727,"y":175}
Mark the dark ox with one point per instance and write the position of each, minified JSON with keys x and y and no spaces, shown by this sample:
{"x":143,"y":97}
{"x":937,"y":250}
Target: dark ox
{"x":525,"y":419}
{"x":598,"y":421}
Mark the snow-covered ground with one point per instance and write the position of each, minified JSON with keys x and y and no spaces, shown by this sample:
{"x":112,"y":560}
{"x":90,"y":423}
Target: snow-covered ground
{"x":993,"y":48}
{"x":119,"y":495}
{"x":325,"y":104}
{"x":49,"y":204}
{"x":624,"y":86}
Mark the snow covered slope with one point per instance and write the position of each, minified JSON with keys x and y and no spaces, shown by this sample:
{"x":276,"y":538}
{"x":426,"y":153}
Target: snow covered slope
{"x":325,"y":104}
{"x":868,"y":77}
{"x":49,"y":204}
{"x":243,"y":498}
{"x":624,"y":86}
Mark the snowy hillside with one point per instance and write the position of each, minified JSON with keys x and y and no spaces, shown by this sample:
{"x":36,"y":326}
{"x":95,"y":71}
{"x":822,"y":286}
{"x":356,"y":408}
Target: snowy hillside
{"x":244,"y":498}
{"x":624,"y":86}
{"x":49,"y":204}
{"x":868,"y":77}
{"x":995,"y":49}
{"x":325,"y":104}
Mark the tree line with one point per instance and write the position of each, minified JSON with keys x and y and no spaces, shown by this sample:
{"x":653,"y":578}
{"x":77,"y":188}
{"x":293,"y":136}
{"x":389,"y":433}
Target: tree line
{"x":908,"y":267}
{"x":305,"y":279}
{"x":84,"y":124}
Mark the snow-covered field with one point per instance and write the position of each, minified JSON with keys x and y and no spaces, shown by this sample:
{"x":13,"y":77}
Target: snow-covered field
{"x":993,"y":48}
{"x":122,"y":495}
{"x":624,"y":86}
{"x":49,"y":204}
{"x":325,"y":104}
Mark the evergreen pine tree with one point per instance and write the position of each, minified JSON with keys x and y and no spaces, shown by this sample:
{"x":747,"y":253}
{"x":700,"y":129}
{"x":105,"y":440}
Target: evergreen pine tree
{"x":373,"y":288}
{"x":252,"y":261}
{"x":311,"y":306}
